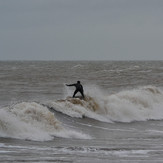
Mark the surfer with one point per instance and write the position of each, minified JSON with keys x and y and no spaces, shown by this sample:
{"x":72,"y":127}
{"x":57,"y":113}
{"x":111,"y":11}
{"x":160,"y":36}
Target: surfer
{"x":79,"y":88}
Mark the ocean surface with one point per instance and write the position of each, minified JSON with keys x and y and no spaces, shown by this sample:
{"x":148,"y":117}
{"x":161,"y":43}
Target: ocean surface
{"x":120,"y":120}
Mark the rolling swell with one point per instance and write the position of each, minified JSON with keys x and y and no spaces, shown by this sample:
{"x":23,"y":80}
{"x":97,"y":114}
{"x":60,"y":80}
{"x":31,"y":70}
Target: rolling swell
{"x":141,"y":104}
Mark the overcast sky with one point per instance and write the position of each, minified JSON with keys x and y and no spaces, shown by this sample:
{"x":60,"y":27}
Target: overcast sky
{"x":81,"y":29}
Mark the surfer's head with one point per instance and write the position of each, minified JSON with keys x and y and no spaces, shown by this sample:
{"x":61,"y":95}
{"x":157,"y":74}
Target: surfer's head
{"x":78,"y":82}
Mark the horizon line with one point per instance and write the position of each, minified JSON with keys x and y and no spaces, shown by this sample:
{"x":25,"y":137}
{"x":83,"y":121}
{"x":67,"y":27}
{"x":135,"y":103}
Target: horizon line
{"x":46,"y":60}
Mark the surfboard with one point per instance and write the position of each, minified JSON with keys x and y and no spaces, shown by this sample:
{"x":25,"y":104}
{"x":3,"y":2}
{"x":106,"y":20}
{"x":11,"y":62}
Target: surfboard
{"x":78,"y":97}
{"x":69,"y":98}
{"x":88,"y":102}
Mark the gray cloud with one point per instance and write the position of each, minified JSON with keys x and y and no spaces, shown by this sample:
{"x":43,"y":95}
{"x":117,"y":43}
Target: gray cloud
{"x":81,"y":30}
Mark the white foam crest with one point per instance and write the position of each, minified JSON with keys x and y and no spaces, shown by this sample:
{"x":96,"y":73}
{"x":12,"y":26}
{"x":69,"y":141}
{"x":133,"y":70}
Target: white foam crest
{"x":77,"y":66}
{"x":116,"y":70}
{"x":139,"y":104}
{"x":135,"y":105}
{"x":32,"y":121}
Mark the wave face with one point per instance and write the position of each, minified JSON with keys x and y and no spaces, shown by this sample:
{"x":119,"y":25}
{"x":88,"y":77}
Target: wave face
{"x":33,"y":121}
{"x":141,"y":104}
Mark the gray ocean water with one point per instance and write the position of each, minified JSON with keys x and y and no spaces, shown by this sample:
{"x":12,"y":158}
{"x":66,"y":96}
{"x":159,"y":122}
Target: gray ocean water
{"x":121,"y":121}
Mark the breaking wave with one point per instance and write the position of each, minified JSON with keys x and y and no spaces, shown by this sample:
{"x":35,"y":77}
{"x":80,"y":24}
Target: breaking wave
{"x":33,"y":121}
{"x":141,"y":104}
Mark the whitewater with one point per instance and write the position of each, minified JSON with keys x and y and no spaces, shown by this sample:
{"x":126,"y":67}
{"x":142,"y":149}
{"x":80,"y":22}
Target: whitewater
{"x":120,"y":119}
{"x":141,"y":104}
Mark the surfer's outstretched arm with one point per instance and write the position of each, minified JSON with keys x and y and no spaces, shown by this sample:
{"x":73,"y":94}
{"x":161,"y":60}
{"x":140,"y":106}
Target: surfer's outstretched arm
{"x":70,"y":84}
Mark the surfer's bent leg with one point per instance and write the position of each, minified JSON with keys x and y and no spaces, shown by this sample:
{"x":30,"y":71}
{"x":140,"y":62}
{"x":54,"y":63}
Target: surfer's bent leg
{"x":82,"y":93}
{"x":76,"y":91}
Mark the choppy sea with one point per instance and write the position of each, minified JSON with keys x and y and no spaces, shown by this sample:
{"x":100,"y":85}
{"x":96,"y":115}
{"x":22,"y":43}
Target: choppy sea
{"x":121,"y":119}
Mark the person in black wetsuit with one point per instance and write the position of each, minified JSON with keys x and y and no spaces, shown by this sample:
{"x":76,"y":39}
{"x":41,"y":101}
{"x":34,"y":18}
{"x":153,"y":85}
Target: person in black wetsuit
{"x":79,"y":88}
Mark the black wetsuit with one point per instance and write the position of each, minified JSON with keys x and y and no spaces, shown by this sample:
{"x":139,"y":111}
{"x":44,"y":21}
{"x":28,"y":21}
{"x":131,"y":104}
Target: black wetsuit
{"x":79,"y":88}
